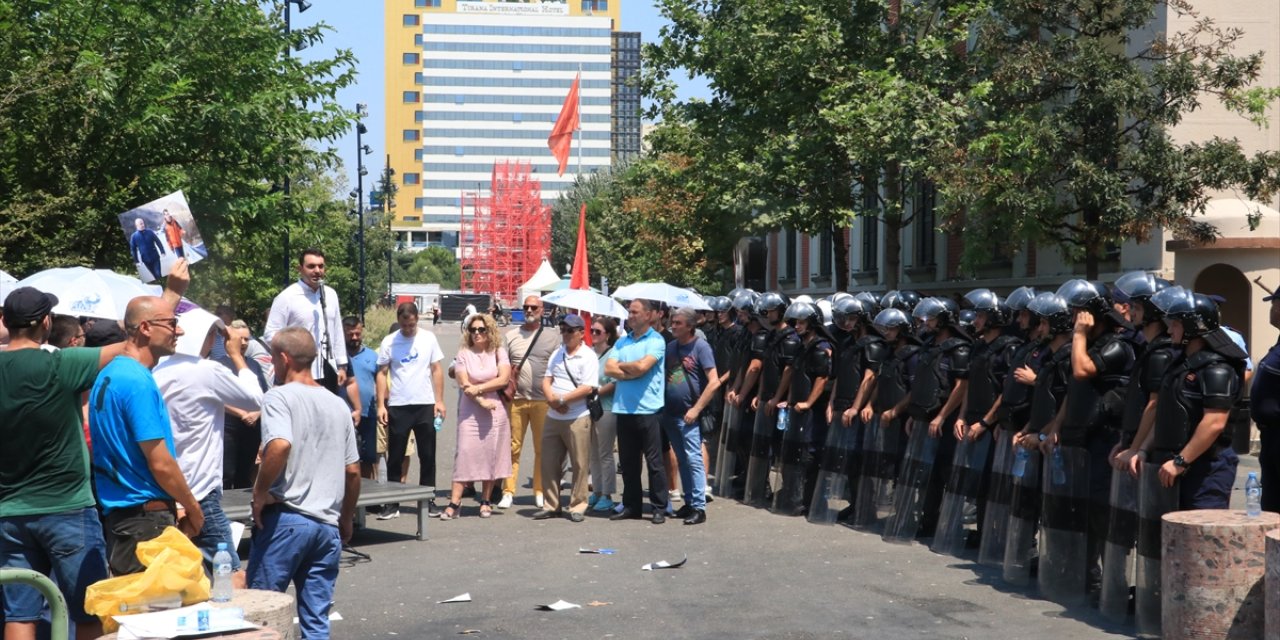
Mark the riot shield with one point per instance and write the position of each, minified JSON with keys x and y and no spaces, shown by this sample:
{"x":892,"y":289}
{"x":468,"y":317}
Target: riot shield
{"x":832,"y":494}
{"x":756,"y":490}
{"x":793,"y":459}
{"x":1118,"y":555}
{"x":913,"y":484}
{"x":994,"y":525}
{"x":1153,"y":502}
{"x":961,"y":490}
{"x":727,"y":460}
{"x":879,"y":468}
{"x":1024,"y":518}
{"x":1064,"y":525}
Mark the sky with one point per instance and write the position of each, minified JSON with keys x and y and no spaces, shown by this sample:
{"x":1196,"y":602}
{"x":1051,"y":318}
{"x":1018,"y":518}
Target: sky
{"x":352,"y":25}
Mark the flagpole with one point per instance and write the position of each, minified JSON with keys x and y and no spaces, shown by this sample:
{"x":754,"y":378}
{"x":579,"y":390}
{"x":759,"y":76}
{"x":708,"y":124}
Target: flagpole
{"x":579,"y":119}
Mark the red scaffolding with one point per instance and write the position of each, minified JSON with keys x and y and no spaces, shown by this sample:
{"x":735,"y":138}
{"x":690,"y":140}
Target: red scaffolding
{"x":506,"y":234}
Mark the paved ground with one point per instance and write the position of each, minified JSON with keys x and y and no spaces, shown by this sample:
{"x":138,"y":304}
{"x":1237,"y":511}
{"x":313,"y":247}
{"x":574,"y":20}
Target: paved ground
{"x":750,"y":574}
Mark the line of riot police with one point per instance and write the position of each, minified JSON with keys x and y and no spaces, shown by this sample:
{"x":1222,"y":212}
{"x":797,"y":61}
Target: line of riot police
{"x":1047,"y":431}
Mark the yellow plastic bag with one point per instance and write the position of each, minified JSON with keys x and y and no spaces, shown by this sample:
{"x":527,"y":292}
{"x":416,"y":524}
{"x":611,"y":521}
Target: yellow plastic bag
{"x":175,"y":571}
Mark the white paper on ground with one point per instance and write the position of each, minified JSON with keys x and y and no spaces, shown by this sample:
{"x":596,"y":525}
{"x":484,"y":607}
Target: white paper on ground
{"x":164,"y":624}
{"x":466,"y":597}
{"x":237,"y":532}
{"x":332,"y":617}
{"x":663,"y":564}
{"x":559,"y":605}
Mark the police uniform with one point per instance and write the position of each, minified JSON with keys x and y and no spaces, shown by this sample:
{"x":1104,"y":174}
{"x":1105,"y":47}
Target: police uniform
{"x":989,"y":367}
{"x":941,"y":366}
{"x":802,"y":442}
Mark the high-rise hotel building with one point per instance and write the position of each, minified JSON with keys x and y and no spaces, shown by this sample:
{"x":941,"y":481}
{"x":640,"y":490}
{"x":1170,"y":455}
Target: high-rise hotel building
{"x":471,"y":82}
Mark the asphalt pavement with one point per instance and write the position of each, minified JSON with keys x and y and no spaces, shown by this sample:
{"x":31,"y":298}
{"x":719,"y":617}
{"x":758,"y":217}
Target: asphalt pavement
{"x":750,"y":574}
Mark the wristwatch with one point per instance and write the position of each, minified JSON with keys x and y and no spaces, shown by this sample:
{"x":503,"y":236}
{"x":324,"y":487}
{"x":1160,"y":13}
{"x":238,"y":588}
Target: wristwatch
{"x":983,"y":422}
{"x":1180,"y":462}
{"x":1043,"y":437}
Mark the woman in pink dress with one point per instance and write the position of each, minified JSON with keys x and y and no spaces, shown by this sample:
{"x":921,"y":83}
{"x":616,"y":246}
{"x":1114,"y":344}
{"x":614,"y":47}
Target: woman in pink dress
{"x":484,"y":435}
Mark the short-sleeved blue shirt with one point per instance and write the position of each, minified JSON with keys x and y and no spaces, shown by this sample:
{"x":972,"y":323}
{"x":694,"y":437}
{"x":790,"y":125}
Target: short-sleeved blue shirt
{"x":125,"y":408}
{"x":364,"y":364}
{"x":687,"y":366}
{"x":643,"y":395}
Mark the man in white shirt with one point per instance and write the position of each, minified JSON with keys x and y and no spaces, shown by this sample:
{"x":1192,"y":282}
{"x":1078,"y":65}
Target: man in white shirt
{"x":313,"y":305}
{"x":197,"y":392}
{"x":410,"y":386}
{"x":572,"y":374}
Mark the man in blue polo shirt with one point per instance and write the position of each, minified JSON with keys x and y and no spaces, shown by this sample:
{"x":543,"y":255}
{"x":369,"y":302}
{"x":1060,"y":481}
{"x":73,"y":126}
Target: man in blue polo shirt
{"x":362,"y":365}
{"x":638,"y":398}
{"x":134,"y":468}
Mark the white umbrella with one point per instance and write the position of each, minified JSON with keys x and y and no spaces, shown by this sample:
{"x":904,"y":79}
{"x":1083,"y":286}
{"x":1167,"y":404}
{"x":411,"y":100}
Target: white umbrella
{"x":585,"y":300}
{"x":97,"y":293}
{"x":7,"y":283}
{"x":662,"y":292}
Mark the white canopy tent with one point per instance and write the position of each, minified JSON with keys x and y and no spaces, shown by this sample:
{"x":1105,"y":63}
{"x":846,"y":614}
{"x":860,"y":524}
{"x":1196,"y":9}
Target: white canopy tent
{"x":544,"y":279}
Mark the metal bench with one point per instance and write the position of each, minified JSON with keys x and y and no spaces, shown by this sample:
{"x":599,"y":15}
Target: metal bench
{"x":235,"y":502}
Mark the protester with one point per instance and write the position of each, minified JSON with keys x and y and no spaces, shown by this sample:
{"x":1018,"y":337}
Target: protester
{"x":637,"y":401}
{"x":306,"y":492}
{"x":483,"y":451}
{"x":529,"y":348}
{"x":66,"y":332}
{"x":604,"y":435}
{"x":691,"y":383}
{"x":570,"y":379}
{"x":312,"y":304}
{"x":242,"y":436}
{"x":48,"y":521}
{"x":410,"y":398}
{"x":362,"y":370}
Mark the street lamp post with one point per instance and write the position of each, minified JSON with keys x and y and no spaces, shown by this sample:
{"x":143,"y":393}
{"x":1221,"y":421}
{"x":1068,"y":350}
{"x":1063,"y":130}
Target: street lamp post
{"x":303,"y":5}
{"x":388,"y":195}
{"x":362,"y":150}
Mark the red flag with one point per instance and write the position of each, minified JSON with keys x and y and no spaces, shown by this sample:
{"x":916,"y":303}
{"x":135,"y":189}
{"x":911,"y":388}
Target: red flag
{"x":578,"y":278}
{"x":561,"y":140}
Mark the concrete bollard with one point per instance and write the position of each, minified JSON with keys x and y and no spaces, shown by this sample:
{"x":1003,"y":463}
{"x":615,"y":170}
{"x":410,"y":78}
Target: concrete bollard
{"x":1213,"y":568}
{"x":270,"y":609}
{"x":1273,"y":584}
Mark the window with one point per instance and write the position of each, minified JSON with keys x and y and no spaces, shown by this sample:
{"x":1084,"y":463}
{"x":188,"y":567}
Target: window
{"x":417,"y":154}
{"x":411,"y":20}
{"x":411,"y":135}
{"x":870,"y":226}
{"x":787,"y":270}
{"x":409,"y":58}
{"x":458,"y":151}
{"x":516,"y":117}
{"x":411,"y":178}
{"x":434,"y":4}
{"x":409,"y":96}
{"x":417,"y":39}
{"x":418,"y":203}
{"x":517,"y":66}
{"x":459,"y":99}
{"x":589,"y":6}
{"x":926,"y":221}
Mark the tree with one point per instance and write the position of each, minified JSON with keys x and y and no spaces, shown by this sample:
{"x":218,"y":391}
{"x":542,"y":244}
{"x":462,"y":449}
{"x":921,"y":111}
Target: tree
{"x":1072,"y":142}
{"x":432,"y":265}
{"x":108,"y":104}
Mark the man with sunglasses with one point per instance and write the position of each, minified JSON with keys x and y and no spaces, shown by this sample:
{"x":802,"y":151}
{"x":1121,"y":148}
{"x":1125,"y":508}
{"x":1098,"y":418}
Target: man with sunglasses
{"x":529,"y":349}
{"x":140,"y":485}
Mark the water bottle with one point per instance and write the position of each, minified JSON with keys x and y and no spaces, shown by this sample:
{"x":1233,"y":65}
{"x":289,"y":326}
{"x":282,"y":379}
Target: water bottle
{"x":221,"y":574}
{"x":784,"y":418}
{"x":439,"y":423}
{"x":1020,"y":462}
{"x":1252,"y":495}
{"x":1059,"y":467}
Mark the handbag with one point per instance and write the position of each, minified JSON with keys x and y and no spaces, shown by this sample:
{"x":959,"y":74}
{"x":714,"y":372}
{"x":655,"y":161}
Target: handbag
{"x":593,"y":401}
{"x":706,"y":422}
{"x":509,"y":393}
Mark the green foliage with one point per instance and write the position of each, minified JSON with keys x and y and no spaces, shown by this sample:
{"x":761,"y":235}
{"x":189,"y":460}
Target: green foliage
{"x":433,"y":265}
{"x":108,"y":104}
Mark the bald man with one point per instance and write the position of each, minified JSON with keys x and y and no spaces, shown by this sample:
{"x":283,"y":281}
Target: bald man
{"x":140,"y":485}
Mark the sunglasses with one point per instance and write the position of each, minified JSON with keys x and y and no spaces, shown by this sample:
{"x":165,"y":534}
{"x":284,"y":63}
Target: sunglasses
{"x":597,"y":332}
{"x":475,"y":331}
{"x":532,"y":308}
{"x":171,"y":323}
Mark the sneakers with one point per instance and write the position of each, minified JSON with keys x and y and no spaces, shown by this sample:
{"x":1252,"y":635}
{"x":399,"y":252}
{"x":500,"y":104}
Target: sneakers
{"x":389,"y":514}
{"x":605,"y":503}
{"x":432,"y":510}
{"x":505,"y":502}
{"x":537,"y":500}
{"x":576,"y":516}
{"x":591,"y":502}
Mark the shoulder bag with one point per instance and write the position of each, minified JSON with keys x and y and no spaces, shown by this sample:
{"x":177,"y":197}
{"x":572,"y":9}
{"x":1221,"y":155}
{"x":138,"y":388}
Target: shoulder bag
{"x":508,"y":394}
{"x":706,"y":422}
{"x":593,"y":401}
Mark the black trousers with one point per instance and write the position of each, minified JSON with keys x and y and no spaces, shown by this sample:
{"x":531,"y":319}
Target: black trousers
{"x":418,"y":419}
{"x":641,"y":436}
{"x":240,"y":453}
{"x":125,"y":528}
{"x":1269,"y":460}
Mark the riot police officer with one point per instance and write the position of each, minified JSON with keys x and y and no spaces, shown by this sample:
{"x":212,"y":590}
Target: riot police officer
{"x":741,"y":393}
{"x":808,"y":367}
{"x":765,"y":374}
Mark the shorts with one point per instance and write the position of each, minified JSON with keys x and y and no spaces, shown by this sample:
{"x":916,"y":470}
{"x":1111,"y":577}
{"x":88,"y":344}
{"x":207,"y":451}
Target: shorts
{"x":367,"y":439}
{"x":67,"y":546}
{"x":409,"y":451}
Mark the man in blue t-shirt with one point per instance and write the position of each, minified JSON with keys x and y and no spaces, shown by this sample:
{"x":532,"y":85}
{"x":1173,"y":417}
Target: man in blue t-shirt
{"x":636,"y":364}
{"x":692,"y":382}
{"x":362,"y":366}
{"x":134,"y":468}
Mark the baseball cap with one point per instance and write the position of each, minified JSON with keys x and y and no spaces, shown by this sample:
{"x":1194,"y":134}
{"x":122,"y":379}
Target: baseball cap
{"x":27,"y":306}
{"x":573,"y":321}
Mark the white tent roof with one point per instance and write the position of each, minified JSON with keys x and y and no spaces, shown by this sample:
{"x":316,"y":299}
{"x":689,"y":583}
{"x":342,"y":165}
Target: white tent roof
{"x":544,"y":278}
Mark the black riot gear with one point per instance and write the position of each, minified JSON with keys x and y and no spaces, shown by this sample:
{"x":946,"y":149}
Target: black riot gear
{"x":998,"y":312}
{"x":1052,"y":308}
{"x":1020,"y":298}
{"x":904,"y":300}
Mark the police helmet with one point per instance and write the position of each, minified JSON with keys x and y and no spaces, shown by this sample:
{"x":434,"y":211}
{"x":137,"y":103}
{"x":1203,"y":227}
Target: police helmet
{"x":850,"y":307}
{"x":931,"y":308}
{"x":986,"y":300}
{"x":719,"y":303}
{"x":870,"y":303}
{"x":892,"y":318}
{"x":1196,"y":311}
{"x":1054,"y":309}
{"x":965,"y":320}
{"x":1020,"y":298}
{"x":803,"y":298}
{"x":1082,"y":294}
{"x":904,"y":300}
{"x":803,"y":310}
{"x":769,"y":301}
{"x":745,"y":300}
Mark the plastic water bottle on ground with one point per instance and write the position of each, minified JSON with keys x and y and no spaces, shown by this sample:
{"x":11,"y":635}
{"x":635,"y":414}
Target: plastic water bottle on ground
{"x":1020,"y":462}
{"x":1253,"y":495}
{"x":221,"y":574}
{"x":1059,"y":467}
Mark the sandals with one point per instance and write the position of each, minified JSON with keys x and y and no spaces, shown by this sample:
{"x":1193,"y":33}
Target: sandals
{"x":451,"y":512}
{"x":486,"y":509}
